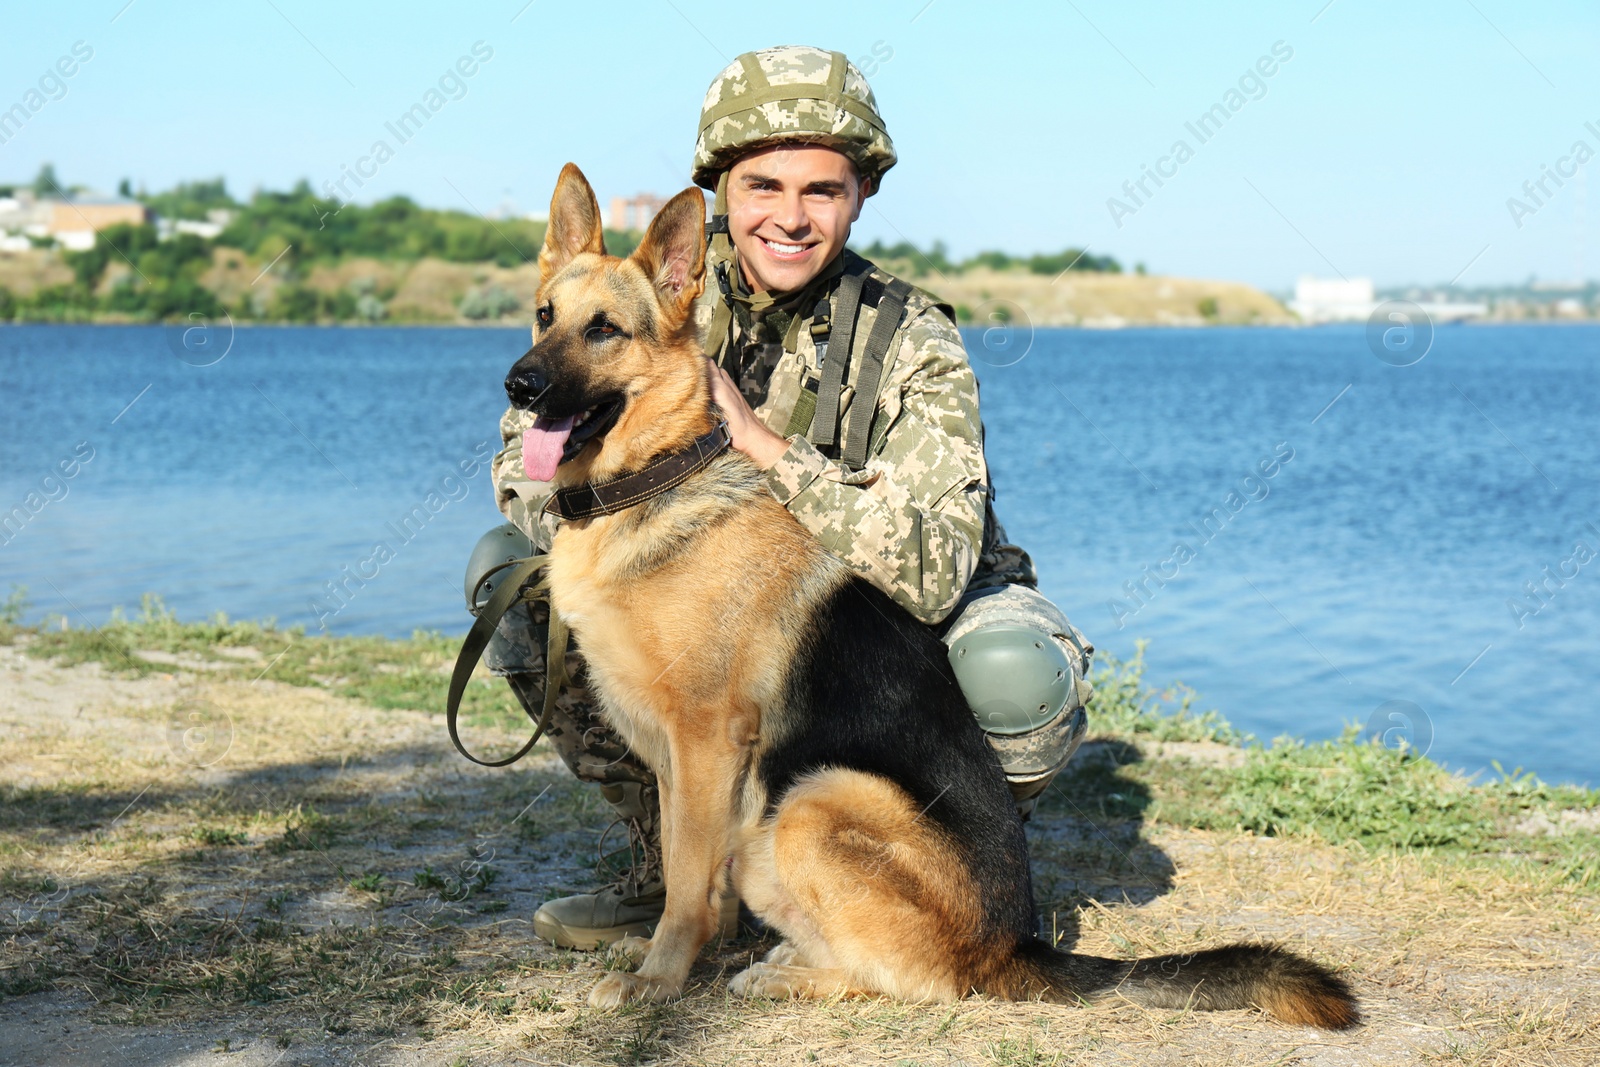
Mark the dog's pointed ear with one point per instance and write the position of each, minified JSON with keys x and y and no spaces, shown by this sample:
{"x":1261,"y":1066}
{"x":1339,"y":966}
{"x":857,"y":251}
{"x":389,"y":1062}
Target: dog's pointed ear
{"x":574,"y":225}
{"x":673,"y":252}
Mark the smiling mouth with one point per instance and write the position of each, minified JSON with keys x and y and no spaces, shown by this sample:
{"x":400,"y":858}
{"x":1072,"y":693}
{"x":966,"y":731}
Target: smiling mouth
{"x":785,"y":250}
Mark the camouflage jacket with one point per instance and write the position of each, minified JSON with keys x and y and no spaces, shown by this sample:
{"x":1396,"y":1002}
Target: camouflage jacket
{"x":917,"y":521}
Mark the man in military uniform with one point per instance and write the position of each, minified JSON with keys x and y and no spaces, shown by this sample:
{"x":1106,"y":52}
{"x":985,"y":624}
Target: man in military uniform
{"x":852,"y":390}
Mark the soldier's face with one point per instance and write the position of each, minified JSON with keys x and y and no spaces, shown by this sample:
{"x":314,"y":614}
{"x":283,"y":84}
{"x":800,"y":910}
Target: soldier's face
{"x":789,"y":213}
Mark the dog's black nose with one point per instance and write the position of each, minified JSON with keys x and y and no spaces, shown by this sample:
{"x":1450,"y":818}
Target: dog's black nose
{"x":525,"y":387}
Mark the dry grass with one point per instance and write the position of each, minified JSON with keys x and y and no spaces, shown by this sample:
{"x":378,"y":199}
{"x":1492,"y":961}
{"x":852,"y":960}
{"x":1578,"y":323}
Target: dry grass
{"x":1086,"y":298}
{"x":26,"y":272}
{"x":192,"y":855}
{"x":431,"y":290}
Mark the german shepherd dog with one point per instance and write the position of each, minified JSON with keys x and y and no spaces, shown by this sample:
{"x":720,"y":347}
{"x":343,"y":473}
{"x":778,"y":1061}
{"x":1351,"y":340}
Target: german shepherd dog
{"x":814,"y":751}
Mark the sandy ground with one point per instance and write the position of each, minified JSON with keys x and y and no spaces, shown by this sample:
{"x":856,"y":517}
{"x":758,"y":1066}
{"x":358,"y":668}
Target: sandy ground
{"x":113,"y":784}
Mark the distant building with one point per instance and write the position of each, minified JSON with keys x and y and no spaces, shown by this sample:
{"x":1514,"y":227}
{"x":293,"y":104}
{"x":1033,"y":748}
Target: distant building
{"x":216,"y":221}
{"x":634,"y":213}
{"x":22,"y":216}
{"x":1333,"y":299}
{"x":73,"y":223}
{"x":1353,"y":300}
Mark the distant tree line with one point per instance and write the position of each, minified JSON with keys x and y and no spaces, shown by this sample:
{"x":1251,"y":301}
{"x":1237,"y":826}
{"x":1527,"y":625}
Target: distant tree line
{"x":936,"y":260}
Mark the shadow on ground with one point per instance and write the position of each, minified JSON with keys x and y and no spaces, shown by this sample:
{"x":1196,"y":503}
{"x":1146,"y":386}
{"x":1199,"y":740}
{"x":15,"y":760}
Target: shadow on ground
{"x":1087,"y":840}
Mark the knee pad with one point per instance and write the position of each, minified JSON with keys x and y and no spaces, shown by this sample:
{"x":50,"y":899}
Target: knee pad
{"x":1027,"y":697}
{"x":517,"y":645}
{"x":501,"y":545}
{"x":1016,"y":679}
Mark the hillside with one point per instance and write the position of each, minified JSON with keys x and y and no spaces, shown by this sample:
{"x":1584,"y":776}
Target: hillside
{"x":296,"y":257}
{"x":435,"y":290}
{"x":1089,"y":299}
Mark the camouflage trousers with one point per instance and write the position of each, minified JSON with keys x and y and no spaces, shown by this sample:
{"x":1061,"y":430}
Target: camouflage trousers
{"x":595,"y":753}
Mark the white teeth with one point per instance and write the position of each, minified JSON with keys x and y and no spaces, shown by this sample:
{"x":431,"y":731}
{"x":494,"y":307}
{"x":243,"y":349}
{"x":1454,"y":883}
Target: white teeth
{"x":787,"y":250}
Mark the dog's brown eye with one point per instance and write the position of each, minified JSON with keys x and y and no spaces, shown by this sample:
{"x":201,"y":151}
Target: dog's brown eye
{"x":603,"y":328}
{"x":544,"y":316}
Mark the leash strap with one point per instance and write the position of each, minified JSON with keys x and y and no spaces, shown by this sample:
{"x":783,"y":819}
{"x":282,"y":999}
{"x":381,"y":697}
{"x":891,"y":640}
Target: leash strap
{"x":477,"y":639}
{"x":605,"y":498}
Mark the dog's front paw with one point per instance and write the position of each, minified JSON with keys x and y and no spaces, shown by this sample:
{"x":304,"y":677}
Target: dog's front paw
{"x":631,"y":950}
{"x":616,"y":989}
{"x":761,"y":980}
{"x":787,"y":954}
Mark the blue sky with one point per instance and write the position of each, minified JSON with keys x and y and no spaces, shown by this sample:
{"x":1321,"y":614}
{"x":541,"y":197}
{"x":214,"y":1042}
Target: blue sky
{"x":1387,"y":145}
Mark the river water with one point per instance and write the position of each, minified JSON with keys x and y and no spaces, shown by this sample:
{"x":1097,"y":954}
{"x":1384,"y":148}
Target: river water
{"x":1307,"y":534}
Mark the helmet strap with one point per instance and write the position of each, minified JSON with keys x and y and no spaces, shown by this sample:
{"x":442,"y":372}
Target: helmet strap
{"x":720,"y":334}
{"x":717,"y":229}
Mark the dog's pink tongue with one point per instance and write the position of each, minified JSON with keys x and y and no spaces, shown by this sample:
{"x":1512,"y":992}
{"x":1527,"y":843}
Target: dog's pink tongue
{"x":542,"y":445}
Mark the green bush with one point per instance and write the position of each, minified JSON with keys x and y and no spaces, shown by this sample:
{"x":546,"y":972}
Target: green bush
{"x":14,"y":606}
{"x":991,"y":260}
{"x":369,"y":307}
{"x":1354,"y":789}
{"x":293,"y":302}
{"x":1125,"y":706}
{"x":488,"y":302}
{"x":919,"y":263}
{"x":190,"y":200}
{"x":1073,"y":259}
{"x":321,"y":229}
{"x":57,"y":303}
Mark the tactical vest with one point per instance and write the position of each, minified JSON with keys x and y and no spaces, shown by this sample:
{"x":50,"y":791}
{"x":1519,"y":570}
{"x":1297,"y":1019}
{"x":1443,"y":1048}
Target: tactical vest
{"x":835,"y":352}
{"x":842,"y":335}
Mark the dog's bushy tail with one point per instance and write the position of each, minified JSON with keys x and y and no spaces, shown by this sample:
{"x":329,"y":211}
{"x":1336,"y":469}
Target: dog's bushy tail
{"x":1288,"y":987}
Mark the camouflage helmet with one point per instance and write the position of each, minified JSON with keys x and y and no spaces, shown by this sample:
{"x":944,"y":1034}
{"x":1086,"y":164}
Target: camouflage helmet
{"x":792,"y":93}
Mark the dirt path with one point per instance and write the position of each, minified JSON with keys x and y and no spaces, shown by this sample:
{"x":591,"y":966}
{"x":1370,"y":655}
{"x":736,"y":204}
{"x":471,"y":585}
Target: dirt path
{"x":199,"y":870}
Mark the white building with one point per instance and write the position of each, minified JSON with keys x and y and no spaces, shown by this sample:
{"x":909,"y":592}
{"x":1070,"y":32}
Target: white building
{"x":215,"y":222}
{"x":1353,"y":300}
{"x":21,"y":216}
{"x":1332,"y":299}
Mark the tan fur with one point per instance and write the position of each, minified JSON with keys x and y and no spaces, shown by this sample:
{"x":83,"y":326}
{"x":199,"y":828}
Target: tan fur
{"x":898,"y":902}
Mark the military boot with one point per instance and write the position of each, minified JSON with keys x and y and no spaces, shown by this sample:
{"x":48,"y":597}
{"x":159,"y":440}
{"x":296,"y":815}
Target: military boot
{"x":631,"y":902}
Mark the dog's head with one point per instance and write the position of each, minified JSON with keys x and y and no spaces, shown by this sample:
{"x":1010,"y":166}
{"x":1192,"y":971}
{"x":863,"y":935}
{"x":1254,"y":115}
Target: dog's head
{"x":615,"y":374}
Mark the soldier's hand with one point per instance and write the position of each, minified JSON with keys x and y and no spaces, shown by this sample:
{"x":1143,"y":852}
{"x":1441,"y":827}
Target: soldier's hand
{"x":750,"y":435}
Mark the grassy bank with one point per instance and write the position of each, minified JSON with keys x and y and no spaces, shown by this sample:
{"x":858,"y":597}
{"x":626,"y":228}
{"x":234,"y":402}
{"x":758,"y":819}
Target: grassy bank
{"x":261,"y":835}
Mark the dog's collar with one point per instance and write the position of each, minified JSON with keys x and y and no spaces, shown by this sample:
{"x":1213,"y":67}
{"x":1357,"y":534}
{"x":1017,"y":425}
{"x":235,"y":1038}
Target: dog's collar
{"x":605,"y":498}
